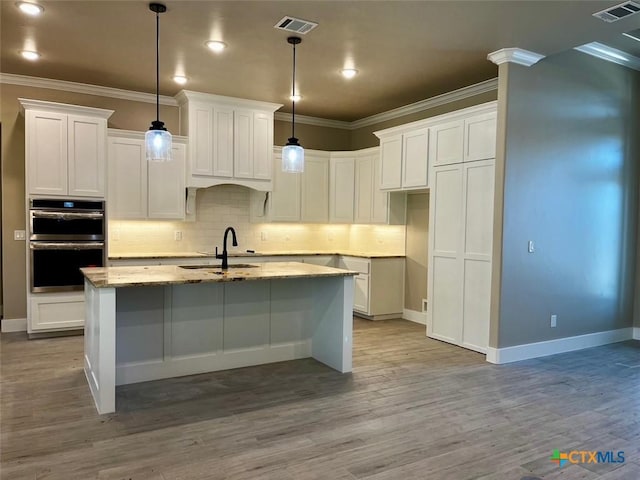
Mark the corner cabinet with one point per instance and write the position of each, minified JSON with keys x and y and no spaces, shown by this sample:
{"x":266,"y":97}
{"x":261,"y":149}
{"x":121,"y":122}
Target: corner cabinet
{"x":139,"y":189}
{"x":65,"y":149}
{"x":461,"y":228}
{"x":404,"y":159}
{"x":230,"y":140}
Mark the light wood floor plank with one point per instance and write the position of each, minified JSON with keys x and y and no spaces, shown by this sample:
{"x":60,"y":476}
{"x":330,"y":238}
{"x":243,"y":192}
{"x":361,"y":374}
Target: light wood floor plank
{"x":413,"y":408}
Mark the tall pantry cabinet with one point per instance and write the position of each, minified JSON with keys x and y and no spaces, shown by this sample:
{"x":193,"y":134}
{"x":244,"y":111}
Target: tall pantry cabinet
{"x":461,"y":230}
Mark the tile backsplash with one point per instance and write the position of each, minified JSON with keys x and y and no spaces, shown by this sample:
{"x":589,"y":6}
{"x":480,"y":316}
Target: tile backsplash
{"x":228,"y":205}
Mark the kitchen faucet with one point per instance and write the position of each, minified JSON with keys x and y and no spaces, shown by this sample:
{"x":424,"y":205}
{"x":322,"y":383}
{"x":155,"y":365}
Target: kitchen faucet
{"x":224,"y":257}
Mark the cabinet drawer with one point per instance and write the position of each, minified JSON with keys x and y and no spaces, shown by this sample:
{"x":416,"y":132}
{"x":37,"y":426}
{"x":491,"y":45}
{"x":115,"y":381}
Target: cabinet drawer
{"x":360,"y":265}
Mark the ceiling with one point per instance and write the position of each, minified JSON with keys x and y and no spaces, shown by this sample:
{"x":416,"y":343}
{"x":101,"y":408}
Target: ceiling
{"x":405,"y":51}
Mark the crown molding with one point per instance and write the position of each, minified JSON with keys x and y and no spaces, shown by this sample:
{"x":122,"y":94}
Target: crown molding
{"x":97,"y":90}
{"x":515,"y":55}
{"x":187,"y":95}
{"x":317,"y":121}
{"x":610,"y":54}
{"x":29,"y":104}
{"x":449,"y":97}
{"x":84,"y":88}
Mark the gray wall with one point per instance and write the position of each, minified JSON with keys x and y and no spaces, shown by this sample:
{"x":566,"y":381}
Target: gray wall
{"x":570,"y":179}
{"x":415,"y":284}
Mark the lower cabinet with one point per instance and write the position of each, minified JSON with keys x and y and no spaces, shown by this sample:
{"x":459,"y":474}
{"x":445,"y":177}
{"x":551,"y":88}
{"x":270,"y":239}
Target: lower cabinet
{"x":55,"y":311}
{"x":378,"y":290}
{"x":460,"y":243}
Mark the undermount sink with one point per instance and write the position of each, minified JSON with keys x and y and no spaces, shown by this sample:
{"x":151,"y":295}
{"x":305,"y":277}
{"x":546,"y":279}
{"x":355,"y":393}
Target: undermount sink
{"x":239,"y":265}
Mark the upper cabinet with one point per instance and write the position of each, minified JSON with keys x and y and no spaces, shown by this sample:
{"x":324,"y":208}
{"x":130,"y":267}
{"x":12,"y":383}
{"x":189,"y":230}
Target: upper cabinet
{"x":65,"y":149}
{"x":342,"y":187}
{"x":404,"y":160}
{"x":407,"y":152}
{"x":230,"y":140}
{"x":139,"y":189}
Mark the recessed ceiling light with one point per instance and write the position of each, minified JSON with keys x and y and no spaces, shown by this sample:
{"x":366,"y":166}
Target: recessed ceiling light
{"x":295,"y":98}
{"x":349,"y":72}
{"x":32,"y":9}
{"x":180,"y":79}
{"x":216,"y":46}
{"x":30,"y":55}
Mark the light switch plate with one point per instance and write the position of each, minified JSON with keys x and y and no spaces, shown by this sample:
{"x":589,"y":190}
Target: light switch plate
{"x":19,"y":235}
{"x":531,"y":246}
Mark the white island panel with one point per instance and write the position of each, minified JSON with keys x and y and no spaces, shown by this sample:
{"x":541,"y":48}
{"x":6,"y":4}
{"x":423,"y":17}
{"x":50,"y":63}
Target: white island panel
{"x":136,"y":334}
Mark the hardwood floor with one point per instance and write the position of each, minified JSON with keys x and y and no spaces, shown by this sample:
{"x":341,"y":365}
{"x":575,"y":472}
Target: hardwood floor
{"x":414,"y":408}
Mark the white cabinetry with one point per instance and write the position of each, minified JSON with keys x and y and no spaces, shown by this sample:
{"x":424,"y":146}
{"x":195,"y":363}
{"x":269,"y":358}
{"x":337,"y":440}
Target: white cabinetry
{"x":231,"y":139}
{"x":373,"y":205}
{"x":139,"y":189}
{"x":65,"y":149}
{"x":461,"y":236}
{"x":378,"y":292}
{"x":315,"y":188}
{"x":296,"y":197}
{"x":341,"y":187}
{"x":404,"y":153}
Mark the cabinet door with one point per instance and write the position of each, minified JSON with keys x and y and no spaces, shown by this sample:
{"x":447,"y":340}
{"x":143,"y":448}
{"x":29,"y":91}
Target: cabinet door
{"x":446,"y":143}
{"x":391,"y":158}
{"x":363,"y":190}
{"x":243,"y":144}
{"x":341,"y":190}
{"x":380,"y":199}
{"x":46,"y":152}
{"x":480,"y":137}
{"x":87,"y":144}
{"x":315,"y":190}
{"x":361,"y":293}
{"x":477,"y":188}
{"x":445,"y":233}
{"x":262,"y":146}
{"x":223,"y":142}
{"x":202,"y":139}
{"x":127,"y":182}
{"x":415,"y":166}
{"x":166,"y":185}
{"x":285,"y":197}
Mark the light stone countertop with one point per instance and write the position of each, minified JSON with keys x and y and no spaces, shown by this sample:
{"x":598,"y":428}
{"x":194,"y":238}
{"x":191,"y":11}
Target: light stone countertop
{"x":108,"y":277}
{"x":161,"y":255}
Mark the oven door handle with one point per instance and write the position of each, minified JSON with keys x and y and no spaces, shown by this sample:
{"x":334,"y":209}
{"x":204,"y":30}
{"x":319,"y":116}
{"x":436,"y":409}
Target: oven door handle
{"x":66,"y":245}
{"x":67,"y":215}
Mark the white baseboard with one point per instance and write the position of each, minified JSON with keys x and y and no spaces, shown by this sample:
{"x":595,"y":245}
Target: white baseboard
{"x":14,"y":325}
{"x":560,"y":345}
{"x":414,"y":316}
{"x":636,"y":333}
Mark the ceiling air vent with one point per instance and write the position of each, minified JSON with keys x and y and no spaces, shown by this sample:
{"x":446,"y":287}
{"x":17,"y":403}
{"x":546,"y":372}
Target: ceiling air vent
{"x":295,"y":25}
{"x":618,"y":12}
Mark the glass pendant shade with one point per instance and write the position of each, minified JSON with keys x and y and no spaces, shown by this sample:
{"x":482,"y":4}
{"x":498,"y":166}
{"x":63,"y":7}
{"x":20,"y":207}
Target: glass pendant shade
{"x":157,"y":140}
{"x":158,"y":145}
{"x":293,"y":157}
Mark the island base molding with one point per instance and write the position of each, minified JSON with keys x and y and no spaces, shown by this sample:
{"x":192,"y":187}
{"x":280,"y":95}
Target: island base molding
{"x":137,"y":334}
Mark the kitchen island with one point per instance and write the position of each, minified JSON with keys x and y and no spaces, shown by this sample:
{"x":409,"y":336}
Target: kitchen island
{"x":152,"y":322}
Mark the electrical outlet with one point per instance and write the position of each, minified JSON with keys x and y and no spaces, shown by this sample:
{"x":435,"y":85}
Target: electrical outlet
{"x":19,"y":235}
{"x":177,"y":235}
{"x":263,"y":236}
{"x":115,"y":235}
{"x":554,"y":321}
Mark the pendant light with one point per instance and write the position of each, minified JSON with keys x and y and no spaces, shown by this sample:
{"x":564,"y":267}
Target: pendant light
{"x":158,"y":139}
{"x":292,"y":152}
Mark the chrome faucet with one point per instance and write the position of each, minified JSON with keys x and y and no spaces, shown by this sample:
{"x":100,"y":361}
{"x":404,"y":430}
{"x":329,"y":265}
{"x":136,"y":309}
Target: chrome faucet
{"x":224,"y":257}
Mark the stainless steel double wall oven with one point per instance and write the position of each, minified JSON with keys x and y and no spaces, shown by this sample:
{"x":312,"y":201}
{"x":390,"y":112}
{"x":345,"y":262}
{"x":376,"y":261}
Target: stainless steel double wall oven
{"x":65,"y":235}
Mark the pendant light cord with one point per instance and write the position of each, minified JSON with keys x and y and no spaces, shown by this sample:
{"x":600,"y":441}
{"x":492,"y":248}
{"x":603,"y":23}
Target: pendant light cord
{"x":293,"y":94}
{"x":157,"y":66}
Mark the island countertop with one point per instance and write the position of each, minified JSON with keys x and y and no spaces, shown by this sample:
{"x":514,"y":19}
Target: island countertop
{"x":116,"y":277}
